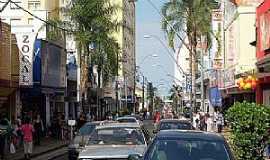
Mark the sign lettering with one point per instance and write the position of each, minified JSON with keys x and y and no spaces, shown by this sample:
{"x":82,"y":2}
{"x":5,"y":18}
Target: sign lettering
{"x":26,"y":46}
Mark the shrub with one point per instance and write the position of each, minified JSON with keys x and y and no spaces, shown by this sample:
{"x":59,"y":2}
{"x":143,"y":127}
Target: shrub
{"x":250,"y":125}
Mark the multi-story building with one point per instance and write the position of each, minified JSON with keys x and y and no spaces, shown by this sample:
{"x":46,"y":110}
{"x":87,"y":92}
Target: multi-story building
{"x":42,"y":78}
{"x":18,"y":15}
{"x":262,"y":53}
{"x":181,"y":71}
{"x":126,"y":60}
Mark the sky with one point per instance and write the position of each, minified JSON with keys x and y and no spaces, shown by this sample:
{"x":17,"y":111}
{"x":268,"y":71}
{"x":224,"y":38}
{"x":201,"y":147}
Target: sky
{"x":148,"y":23}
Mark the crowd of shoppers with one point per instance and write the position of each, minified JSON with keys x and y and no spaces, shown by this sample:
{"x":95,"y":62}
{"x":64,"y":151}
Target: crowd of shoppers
{"x":206,"y":122}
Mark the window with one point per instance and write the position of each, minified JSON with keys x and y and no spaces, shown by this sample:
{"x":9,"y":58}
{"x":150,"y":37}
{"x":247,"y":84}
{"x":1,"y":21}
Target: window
{"x":30,"y":20}
{"x":15,"y":5}
{"x":15,"y":21}
{"x":34,"y":5}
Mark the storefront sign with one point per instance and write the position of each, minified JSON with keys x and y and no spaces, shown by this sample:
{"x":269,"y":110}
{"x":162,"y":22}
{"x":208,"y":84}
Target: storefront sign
{"x":248,"y":2}
{"x":265,"y":30}
{"x":232,"y":44}
{"x":53,"y":65}
{"x":215,"y":97}
{"x":229,"y":79}
{"x":213,"y":78}
{"x":25,"y":43}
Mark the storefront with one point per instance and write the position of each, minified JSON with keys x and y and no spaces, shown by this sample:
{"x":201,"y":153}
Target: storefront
{"x":9,"y":73}
{"x":262,"y":54}
{"x":46,"y":94}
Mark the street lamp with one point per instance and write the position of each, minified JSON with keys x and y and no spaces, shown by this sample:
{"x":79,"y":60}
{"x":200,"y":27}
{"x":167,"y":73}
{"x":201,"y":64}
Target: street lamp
{"x":167,"y":50}
{"x":148,"y":56}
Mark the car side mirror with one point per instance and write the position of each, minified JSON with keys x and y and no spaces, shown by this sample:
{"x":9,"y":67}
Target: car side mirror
{"x":134,"y":157}
{"x":155,"y":131}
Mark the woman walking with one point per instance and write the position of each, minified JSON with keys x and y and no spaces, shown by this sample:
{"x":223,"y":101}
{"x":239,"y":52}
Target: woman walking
{"x":27,"y":130}
{"x":38,"y":126}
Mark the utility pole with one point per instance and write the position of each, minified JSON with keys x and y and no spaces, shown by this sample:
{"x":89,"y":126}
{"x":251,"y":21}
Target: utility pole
{"x":143,"y":93}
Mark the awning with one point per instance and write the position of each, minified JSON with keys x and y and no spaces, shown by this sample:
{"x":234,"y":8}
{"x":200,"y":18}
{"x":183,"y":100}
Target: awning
{"x":215,"y":97}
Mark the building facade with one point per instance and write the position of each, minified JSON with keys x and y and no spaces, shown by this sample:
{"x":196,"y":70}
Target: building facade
{"x":262,"y":53}
{"x":126,"y":59}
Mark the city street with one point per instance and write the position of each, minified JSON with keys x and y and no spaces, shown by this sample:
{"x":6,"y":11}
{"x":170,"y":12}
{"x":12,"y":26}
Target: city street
{"x":77,"y":72}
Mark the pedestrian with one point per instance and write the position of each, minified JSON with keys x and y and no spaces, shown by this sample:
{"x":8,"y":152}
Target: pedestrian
{"x":28,"y":130}
{"x":5,"y":129}
{"x":81,"y":121}
{"x":39,"y":128}
{"x":209,"y":122}
{"x":220,"y":122}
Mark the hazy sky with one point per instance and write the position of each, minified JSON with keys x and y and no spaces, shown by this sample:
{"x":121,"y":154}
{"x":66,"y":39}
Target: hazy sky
{"x":148,"y":23}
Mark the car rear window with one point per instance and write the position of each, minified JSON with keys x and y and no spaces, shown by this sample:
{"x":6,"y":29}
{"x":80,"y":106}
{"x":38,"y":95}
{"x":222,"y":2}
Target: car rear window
{"x":188,"y":150}
{"x":175,"y":125}
{"x":131,"y":120}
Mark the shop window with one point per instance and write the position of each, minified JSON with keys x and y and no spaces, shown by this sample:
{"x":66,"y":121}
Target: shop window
{"x":15,"y":21}
{"x":30,"y":21}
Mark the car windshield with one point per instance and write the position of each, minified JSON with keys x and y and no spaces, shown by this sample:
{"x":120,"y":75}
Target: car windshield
{"x":87,"y":129}
{"x":127,"y":120}
{"x":175,"y":125}
{"x":187,"y":150}
{"x":117,"y":136}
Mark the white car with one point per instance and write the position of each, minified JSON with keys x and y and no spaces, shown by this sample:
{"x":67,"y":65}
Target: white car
{"x":115,"y":141}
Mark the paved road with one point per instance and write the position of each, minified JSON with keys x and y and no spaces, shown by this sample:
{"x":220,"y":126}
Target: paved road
{"x":61,"y":154}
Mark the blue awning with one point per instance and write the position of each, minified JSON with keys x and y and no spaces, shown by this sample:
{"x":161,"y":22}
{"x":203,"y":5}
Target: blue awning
{"x":215,"y":97}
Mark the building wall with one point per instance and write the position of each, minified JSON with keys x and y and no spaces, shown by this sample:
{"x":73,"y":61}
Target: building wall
{"x":44,"y":9}
{"x":247,"y":33}
{"x":183,"y":62}
{"x":126,"y":39}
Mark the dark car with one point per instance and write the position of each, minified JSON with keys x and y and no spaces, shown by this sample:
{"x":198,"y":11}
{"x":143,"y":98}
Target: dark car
{"x":80,"y":139}
{"x":186,"y":145}
{"x":168,"y":124}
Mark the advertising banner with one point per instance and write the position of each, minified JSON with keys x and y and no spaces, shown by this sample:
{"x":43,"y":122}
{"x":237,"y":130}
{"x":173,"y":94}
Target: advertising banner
{"x":25,"y":43}
{"x":37,"y":62}
{"x":215,"y":97}
{"x":53,"y":65}
{"x":265,"y":30}
{"x":254,"y":3}
{"x":232,"y":45}
{"x":229,"y":79}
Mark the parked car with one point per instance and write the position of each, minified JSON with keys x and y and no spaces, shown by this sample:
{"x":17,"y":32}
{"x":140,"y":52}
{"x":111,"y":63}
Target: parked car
{"x":80,"y":139}
{"x":168,"y":124}
{"x":115,"y":141}
{"x":186,"y":145}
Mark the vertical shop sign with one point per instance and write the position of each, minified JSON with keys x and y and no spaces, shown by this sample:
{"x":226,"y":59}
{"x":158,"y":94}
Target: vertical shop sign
{"x":25,"y":43}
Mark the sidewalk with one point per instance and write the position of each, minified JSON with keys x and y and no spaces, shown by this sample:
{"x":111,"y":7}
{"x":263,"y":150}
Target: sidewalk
{"x":47,"y":145}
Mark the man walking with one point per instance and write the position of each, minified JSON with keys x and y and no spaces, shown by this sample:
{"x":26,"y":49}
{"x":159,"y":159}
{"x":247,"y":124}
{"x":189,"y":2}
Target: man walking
{"x":28,"y":130}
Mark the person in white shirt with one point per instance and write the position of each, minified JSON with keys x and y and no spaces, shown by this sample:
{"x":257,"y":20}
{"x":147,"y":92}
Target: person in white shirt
{"x":220,"y":122}
{"x":210,"y":123}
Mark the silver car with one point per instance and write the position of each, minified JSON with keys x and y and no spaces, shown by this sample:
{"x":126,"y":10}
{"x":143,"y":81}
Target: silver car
{"x":115,"y":141}
{"x":80,"y":139}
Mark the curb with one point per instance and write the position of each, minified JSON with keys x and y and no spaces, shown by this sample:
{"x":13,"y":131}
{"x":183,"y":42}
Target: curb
{"x":44,"y":152}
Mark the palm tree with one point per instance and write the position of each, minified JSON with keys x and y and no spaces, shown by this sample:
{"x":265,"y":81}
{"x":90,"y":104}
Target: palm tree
{"x":191,"y":18}
{"x":95,"y":26}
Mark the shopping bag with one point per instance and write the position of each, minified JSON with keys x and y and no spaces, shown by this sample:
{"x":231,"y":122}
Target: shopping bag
{"x":12,"y":148}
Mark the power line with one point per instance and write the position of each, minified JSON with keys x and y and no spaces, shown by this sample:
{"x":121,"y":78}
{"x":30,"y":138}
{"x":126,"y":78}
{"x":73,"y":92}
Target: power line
{"x":5,"y":5}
